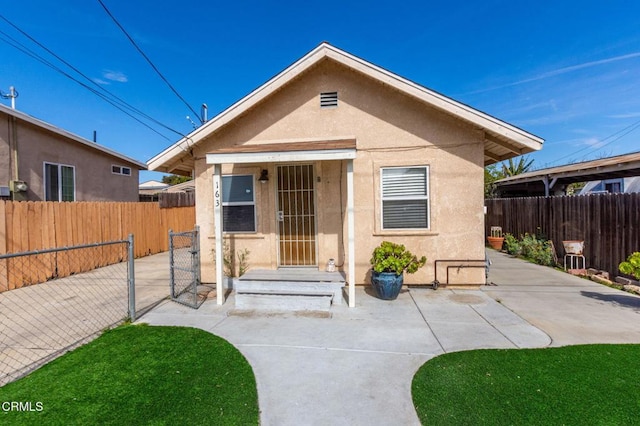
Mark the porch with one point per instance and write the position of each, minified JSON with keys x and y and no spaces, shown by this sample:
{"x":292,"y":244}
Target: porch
{"x":293,"y":228}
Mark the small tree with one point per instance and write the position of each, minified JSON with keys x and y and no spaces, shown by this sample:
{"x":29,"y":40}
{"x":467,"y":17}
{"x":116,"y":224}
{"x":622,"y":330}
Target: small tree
{"x":511,"y":168}
{"x":175,"y":179}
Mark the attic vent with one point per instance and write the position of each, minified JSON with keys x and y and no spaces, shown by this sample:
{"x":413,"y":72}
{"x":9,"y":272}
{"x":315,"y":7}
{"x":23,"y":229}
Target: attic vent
{"x":328,"y":99}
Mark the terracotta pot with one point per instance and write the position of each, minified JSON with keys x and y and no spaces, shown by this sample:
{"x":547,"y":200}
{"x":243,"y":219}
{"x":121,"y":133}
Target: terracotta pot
{"x":496,"y":242}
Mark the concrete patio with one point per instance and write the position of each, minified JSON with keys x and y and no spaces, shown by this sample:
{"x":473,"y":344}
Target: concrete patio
{"x":355,"y":365}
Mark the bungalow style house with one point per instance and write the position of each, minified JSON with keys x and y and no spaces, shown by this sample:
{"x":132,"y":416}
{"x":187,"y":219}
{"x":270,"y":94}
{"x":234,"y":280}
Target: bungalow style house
{"x":41,"y":162}
{"x":334,"y":155}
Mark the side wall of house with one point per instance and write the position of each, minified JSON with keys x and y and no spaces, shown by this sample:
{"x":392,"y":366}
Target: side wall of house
{"x":94,"y":180}
{"x":391,"y":129}
{"x":5,"y":152}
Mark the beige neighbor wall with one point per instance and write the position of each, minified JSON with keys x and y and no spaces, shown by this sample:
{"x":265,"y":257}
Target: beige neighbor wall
{"x":94,"y":180}
{"x":391,"y":129}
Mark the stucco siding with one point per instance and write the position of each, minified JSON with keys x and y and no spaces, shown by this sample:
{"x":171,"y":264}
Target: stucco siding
{"x":94,"y":180}
{"x":390,"y":129}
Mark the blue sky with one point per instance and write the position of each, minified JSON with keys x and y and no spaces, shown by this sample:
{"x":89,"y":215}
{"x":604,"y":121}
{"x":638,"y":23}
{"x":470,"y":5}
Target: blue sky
{"x":568,"y":71}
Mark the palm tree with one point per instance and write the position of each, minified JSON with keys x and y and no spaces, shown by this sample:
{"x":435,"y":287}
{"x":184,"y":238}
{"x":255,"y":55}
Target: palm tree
{"x":512,"y":168}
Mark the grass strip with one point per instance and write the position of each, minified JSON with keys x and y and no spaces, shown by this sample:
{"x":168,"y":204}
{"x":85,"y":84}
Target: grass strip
{"x":140,"y":375}
{"x":573,"y":385}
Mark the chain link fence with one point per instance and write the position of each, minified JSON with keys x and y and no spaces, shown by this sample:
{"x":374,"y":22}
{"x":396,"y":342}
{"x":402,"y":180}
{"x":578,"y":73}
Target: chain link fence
{"x":184,"y":265}
{"x":52,"y":301}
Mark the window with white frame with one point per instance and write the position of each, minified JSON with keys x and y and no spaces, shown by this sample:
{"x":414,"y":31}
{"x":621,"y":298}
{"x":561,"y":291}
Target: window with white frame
{"x":239,"y":204}
{"x":59,"y":182}
{"x":405,"y":197}
{"x":121,"y":170}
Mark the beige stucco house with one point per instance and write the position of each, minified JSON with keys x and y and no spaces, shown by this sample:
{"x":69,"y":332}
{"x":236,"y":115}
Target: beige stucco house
{"x":334,"y":155}
{"x":41,"y":162}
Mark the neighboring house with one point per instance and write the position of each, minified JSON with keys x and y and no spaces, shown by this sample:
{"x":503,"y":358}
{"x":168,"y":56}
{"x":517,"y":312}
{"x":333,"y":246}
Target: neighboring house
{"x":188,"y":186}
{"x":40,"y":162}
{"x":334,"y":155}
{"x":609,"y":174}
{"x":611,"y":186}
{"x":148,"y":191}
{"x":152,"y":187}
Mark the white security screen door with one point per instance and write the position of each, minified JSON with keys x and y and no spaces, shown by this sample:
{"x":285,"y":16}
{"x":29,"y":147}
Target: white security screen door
{"x":296,"y":216}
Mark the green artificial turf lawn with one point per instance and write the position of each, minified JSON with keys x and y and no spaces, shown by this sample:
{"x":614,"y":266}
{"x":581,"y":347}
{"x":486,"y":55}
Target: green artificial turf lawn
{"x":574,"y":385}
{"x":136,"y":375}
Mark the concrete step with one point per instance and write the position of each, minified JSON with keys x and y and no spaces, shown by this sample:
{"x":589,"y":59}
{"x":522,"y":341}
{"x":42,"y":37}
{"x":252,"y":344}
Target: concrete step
{"x":287,"y":295}
{"x":293,"y":288}
{"x":283,"y":302}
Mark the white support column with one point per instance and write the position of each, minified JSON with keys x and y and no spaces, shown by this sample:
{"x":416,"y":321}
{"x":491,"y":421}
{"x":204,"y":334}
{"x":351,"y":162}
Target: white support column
{"x":217,"y":223}
{"x":351,"y":235}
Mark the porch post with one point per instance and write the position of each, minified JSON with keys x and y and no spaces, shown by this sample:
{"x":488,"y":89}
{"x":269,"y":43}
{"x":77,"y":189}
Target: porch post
{"x":351,"y":235}
{"x":217,"y":223}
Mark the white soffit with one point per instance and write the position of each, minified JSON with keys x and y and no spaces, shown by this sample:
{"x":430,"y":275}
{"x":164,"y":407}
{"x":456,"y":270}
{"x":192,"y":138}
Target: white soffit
{"x":281,"y":156}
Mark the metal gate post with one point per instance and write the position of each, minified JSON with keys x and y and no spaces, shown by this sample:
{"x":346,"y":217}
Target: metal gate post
{"x":171,"y":274}
{"x":132,"y":282}
{"x":196,"y":255}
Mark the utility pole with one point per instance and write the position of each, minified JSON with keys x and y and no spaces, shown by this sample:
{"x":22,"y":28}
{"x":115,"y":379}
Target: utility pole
{"x":13,"y":94}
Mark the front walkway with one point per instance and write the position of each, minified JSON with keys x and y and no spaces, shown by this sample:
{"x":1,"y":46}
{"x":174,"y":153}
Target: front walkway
{"x":356,"y":366}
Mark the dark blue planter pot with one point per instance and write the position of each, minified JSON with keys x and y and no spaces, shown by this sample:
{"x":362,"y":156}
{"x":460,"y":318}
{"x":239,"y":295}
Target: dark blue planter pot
{"x":387,"y":285}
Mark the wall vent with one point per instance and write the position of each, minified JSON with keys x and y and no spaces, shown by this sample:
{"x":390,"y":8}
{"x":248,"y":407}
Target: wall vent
{"x":328,"y":99}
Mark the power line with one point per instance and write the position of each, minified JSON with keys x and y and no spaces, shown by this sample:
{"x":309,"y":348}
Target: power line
{"x":147,"y":59}
{"x":120,"y":100}
{"x":620,"y":134}
{"x":17,"y":45}
{"x":115,"y":101}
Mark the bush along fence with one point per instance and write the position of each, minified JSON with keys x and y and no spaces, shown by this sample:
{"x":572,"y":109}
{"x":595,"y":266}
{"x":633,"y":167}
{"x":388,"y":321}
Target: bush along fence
{"x":41,"y":322}
{"x":35,"y":226}
{"x":609,"y":224}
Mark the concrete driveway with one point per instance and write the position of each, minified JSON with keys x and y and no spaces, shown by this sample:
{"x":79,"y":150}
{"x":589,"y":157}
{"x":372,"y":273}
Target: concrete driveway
{"x":571,"y":310}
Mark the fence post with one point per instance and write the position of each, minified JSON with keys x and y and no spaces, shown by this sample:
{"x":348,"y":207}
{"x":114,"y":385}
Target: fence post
{"x":132,"y":282}
{"x":171,"y":274}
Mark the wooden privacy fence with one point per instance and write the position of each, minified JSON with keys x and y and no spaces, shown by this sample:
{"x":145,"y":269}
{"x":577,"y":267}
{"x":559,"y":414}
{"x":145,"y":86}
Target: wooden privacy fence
{"x":31,"y":226}
{"x":609,"y":224}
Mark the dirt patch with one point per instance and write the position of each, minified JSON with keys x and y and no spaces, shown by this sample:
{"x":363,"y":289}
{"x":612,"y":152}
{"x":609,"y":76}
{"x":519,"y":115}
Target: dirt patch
{"x":466,"y":299}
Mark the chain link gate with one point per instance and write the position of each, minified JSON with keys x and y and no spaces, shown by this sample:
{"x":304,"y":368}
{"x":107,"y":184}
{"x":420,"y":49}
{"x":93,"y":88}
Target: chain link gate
{"x":184,"y":261}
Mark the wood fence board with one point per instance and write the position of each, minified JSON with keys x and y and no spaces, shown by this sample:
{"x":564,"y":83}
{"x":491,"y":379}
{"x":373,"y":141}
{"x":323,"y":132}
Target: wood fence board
{"x":608,"y":223}
{"x":41,"y":225}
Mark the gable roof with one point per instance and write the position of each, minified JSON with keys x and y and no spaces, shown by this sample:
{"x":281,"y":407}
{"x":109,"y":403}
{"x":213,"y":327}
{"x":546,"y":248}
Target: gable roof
{"x":502,"y":140}
{"x":70,"y":136}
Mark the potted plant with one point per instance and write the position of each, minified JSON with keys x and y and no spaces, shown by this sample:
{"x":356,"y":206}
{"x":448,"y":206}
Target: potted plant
{"x":496,"y":239}
{"x":389,"y":262}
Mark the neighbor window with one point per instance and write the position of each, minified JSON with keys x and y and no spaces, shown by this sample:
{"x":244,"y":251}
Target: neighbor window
{"x":405,"y":197}
{"x":59,"y":182}
{"x":238,"y":201}
{"x":121,"y":170}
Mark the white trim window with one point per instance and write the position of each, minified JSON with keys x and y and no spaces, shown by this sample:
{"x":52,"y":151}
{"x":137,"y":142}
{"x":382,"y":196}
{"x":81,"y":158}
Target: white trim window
{"x":59,"y":182}
{"x":405,"y":197}
{"x":121,"y":170}
{"x":239,"y":204}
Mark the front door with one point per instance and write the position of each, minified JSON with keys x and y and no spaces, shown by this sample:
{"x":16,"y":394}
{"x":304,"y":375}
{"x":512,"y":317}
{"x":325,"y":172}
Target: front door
{"x":296,"y":216}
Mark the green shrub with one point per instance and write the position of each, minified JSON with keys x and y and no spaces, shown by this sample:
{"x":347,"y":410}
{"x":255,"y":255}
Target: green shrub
{"x":512,"y":245}
{"x":537,"y":250}
{"x":631,"y":266}
{"x":392,"y":257}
